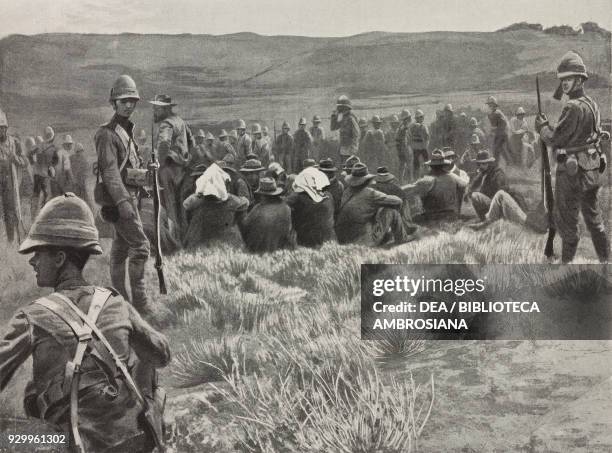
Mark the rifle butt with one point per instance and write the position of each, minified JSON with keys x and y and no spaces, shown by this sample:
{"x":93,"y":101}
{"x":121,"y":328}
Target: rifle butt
{"x":549,"y":249}
{"x":162,"y":281}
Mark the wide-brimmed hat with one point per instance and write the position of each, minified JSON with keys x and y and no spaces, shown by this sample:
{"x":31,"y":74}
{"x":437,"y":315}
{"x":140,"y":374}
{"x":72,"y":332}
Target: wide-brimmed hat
{"x":316,"y":119}
{"x":162,"y":100}
{"x":437,"y":159}
{"x":327,"y":166}
{"x":350,"y":162}
{"x":359,"y":175}
{"x":267,"y":186}
{"x":252,"y":165}
{"x":309,"y":163}
{"x":448,"y":152}
{"x":383,"y":174}
{"x":484,"y":157}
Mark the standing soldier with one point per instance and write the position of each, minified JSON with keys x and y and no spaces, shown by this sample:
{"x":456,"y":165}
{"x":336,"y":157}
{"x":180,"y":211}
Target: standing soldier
{"x":283,"y":148}
{"x":80,"y":379}
{"x":243,"y":146}
{"x":62,"y":181}
{"x":345,"y":121}
{"x":499,"y":131}
{"x":403,"y":147}
{"x":448,"y":126}
{"x":10,"y":158}
{"x":198,"y":152}
{"x":474,"y":129}
{"x":265,"y":132}
{"x":392,"y":133}
{"x":172,"y":146}
{"x":318,"y":137}
{"x":418,"y":140}
{"x":117,"y":153}
{"x":581,"y":163}
{"x":518,"y":128}
{"x":224,"y":148}
{"x":363,"y":130}
{"x":40,"y":168}
{"x":259,"y":146}
{"x":80,"y":171}
{"x":210,"y":146}
{"x":302,"y":144}
{"x":374,"y":144}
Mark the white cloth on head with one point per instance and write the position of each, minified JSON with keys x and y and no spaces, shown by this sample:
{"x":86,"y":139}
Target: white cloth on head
{"x":312,"y":181}
{"x":212,"y":182}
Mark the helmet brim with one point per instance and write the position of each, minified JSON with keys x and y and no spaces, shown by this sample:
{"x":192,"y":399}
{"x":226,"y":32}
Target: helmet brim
{"x":563,"y":75}
{"x":30,"y":245}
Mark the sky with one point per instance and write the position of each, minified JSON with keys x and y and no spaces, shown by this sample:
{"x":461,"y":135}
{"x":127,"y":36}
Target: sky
{"x":291,"y":17}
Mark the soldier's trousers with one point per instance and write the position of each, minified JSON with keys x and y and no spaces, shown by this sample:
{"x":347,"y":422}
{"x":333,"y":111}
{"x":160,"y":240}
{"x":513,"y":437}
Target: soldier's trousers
{"x":388,"y":222}
{"x":170,"y":177}
{"x":481,"y":204}
{"x":8,"y":206}
{"x":130,"y":242}
{"x":503,"y":206}
{"x":574,"y":194}
{"x":41,"y":185}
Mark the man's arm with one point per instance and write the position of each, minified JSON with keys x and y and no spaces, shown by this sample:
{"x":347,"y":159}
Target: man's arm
{"x":109,"y":166}
{"x":559,"y":136}
{"x":419,"y":188}
{"x":15,"y":347}
{"x":355,"y":133}
{"x":148,"y":343}
{"x":334,"y":124}
{"x":384,"y":200}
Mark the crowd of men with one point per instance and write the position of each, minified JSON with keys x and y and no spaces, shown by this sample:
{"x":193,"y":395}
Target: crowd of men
{"x":247,"y":189}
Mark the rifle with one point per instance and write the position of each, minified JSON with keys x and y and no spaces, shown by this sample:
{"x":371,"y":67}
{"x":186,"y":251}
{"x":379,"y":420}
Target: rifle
{"x":547,"y":191}
{"x":154,"y":166}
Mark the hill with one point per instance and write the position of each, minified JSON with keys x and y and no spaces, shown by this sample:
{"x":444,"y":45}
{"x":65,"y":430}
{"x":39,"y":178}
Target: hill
{"x":69,"y":74}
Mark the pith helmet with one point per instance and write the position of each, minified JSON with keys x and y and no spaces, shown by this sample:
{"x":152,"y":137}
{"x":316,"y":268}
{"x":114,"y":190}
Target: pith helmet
{"x":475,"y":139}
{"x":302,"y":122}
{"x":124,"y":88}
{"x":394,"y":119}
{"x":316,"y":119}
{"x":437,"y":159}
{"x":78,"y":148}
{"x":419,"y":114}
{"x":571,"y":65}
{"x":492,"y":101}
{"x":142,"y":134}
{"x":30,"y":143}
{"x":256,"y":128}
{"x":233,"y":134}
{"x":362,"y":122}
{"x":201,"y":133}
{"x":344,"y":101}
{"x":405,"y":114}
{"x":520,"y":111}
{"x":241,"y":124}
{"x":265,"y":129}
{"x":286,"y":125}
{"x":68,"y":140}
{"x":49,"y":134}
{"x":210,"y":136}
{"x":65,"y":221}
{"x":448,"y":107}
{"x":223,"y":133}
{"x":3,"y":120}
{"x":162,"y":100}
{"x":473,"y":122}
{"x":39,"y":140}
{"x":376,"y":119}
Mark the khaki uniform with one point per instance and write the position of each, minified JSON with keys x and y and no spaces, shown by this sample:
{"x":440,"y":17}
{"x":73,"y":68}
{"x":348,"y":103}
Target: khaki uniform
{"x":108,"y":411}
{"x":283,"y":150}
{"x":439,"y":195}
{"x":301,"y":150}
{"x":10,"y":158}
{"x":349,"y":134}
{"x":579,"y":192}
{"x":318,"y":137}
{"x":116,"y":149}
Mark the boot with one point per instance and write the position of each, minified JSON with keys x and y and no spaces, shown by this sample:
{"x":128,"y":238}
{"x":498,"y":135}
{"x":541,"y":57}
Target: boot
{"x":568,"y":251}
{"x":602,"y":247}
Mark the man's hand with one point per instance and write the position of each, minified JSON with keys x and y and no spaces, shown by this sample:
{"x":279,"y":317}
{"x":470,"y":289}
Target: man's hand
{"x":540,"y":122}
{"x":126,"y":211}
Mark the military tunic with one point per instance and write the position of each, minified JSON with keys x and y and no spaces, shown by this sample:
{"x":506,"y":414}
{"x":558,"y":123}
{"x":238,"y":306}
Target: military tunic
{"x":10,"y":156}
{"x":349,"y":133}
{"x":283,"y":150}
{"x":579,"y":192}
{"x":36,"y":331}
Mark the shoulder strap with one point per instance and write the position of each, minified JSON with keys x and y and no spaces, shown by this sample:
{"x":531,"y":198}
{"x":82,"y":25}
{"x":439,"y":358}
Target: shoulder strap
{"x":127,"y":144}
{"x":83,"y":334}
{"x":594,"y":110}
